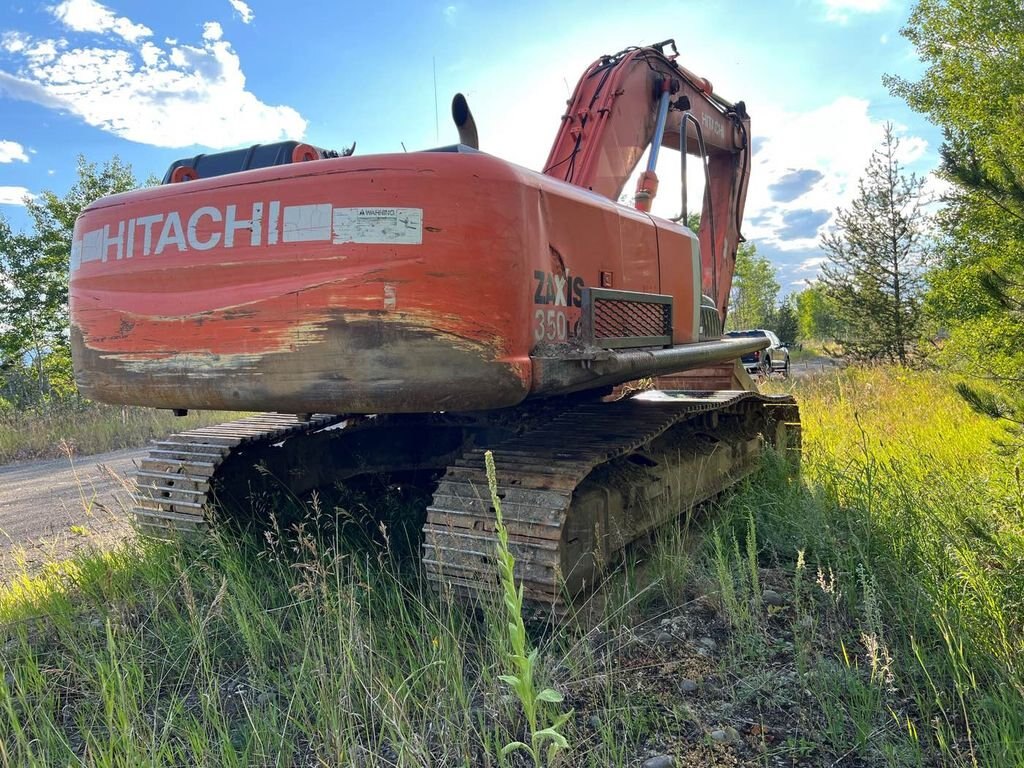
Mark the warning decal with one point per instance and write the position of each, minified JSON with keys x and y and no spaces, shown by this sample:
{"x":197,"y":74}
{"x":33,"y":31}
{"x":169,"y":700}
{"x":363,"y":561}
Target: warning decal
{"x":378,"y":225}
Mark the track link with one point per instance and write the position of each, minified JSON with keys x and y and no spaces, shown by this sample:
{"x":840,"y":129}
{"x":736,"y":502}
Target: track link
{"x":175,"y":481}
{"x":539,"y":472}
{"x":567,"y":512}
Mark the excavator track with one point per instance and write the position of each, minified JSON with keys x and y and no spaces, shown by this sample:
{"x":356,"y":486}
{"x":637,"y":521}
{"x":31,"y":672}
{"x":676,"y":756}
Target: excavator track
{"x":577,"y":485}
{"x":175,"y":481}
{"x":563,"y":533}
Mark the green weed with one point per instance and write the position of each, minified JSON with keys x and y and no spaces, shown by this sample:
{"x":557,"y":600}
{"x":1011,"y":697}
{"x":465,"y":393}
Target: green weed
{"x":522,"y":657}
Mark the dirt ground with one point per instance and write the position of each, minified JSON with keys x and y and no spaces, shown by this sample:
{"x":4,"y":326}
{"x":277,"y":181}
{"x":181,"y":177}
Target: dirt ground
{"x":49,"y":509}
{"x":814,"y":366}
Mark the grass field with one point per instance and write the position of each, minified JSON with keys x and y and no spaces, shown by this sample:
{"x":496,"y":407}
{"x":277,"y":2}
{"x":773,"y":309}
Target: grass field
{"x":91,"y":428}
{"x":867,"y":615}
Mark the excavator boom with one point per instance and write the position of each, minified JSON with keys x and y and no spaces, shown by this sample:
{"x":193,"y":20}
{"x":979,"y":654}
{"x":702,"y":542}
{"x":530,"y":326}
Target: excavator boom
{"x":612,"y":120}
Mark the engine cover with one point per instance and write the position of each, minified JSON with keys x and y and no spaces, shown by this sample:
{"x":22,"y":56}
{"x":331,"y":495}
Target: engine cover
{"x":390,"y":283}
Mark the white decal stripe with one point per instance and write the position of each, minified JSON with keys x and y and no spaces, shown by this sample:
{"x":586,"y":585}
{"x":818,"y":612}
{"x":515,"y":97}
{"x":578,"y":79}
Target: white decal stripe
{"x":130,"y":247}
{"x":208,"y":227}
{"x":305,"y":223}
{"x":275,"y":211}
{"x":92,"y":246}
{"x":257,"y":224}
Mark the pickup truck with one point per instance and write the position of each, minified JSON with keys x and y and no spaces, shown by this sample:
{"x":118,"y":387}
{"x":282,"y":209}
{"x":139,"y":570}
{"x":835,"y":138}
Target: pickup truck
{"x":774,"y":359}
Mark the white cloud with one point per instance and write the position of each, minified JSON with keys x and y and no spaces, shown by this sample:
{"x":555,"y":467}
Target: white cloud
{"x":243,"y":10}
{"x":12,"y":42}
{"x":450,"y":13}
{"x":14,"y":195}
{"x":11,"y":151}
{"x":90,"y":16}
{"x":841,"y":10}
{"x":17,"y":43}
{"x":16,"y":88}
{"x":812,"y":264}
{"x":174,"y":95}
{"x":212,"y":31}
{"x":836,"y":140}
{"x":936,"y":189}
{"x":150,"y":54}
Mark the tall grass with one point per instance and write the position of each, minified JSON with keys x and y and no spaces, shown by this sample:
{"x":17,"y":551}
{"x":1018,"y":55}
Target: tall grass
{"x":867,"y":615}
{"x":156,"y":655}
{"x":914,"y":522}
{"x":90,"y":428}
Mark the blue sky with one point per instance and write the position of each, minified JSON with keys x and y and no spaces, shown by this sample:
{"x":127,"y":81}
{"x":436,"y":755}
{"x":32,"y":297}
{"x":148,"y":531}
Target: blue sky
{"x":152,"y":82}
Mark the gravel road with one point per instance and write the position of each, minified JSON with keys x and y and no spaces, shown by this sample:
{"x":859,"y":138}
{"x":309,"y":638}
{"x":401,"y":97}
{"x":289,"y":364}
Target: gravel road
{"x":814,"y":366}
{"x":50,"y":509}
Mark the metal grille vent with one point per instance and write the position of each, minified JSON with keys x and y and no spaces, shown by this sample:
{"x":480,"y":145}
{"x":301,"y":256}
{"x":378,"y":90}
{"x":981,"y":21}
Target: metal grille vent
{"x":620,"y":319}
{"x":710,"y":323}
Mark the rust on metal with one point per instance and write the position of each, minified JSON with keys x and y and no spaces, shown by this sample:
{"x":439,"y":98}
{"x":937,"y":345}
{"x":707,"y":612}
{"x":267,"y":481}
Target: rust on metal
{"x":565,"y":523}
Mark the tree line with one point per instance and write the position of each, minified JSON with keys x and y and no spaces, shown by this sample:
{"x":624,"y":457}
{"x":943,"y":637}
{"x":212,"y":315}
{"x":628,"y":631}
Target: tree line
{"x":973,"y":87}
{"x":35,"y":352}
{"x":911,"y":279}
{"x":868,"y":299}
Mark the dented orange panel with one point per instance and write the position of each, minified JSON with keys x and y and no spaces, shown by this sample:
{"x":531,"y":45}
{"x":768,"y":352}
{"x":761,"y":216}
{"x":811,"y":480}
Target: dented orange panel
{"x":413,"y":282}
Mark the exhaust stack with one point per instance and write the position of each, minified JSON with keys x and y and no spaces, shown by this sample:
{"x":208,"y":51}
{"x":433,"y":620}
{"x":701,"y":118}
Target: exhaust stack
{"x":464,"y":122}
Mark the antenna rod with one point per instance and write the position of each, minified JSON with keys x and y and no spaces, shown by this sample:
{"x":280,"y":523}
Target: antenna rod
{"x":437,"y":128}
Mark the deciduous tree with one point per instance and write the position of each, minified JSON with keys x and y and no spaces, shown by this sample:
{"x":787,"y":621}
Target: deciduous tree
{"x":817,"y":315}
{"x":755,"y":290}
{"x":34,"y":281}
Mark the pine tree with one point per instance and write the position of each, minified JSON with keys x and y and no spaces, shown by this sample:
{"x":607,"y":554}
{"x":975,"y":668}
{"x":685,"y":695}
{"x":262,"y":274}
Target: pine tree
{"x":973,"y":88}
{"x":786,"y":324}
{"x":876,"y":254}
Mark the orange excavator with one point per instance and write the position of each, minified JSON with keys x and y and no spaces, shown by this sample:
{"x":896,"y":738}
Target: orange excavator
{"x":400,"y":314}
